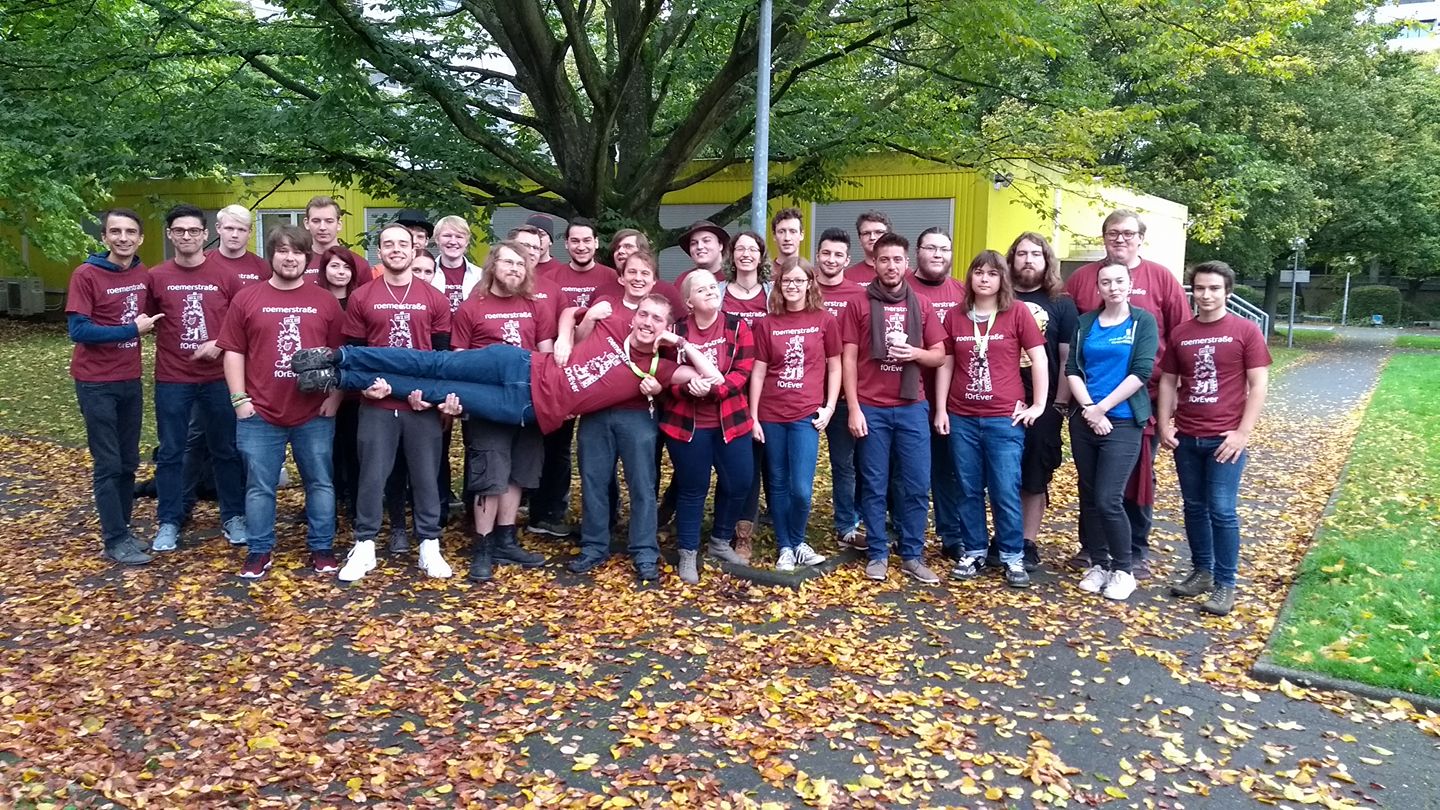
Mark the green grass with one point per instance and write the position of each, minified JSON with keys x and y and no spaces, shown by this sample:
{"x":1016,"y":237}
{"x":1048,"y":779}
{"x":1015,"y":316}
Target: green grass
{"x":1308,"y":337}
{"x":1418,"y":342}
{"x":1283,"y":356}
{"x":1366,"y":606}
{"x":37,"y":396}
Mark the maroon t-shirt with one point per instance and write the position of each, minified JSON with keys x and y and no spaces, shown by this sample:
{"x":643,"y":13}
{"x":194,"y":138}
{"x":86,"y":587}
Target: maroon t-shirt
{"x":992,"y":386}
{"x":577,"y":288}
{"x":454,"y":286}
{"x":1211,"y":360}
{"x":194,"y":301}
{"x":794,"y":346}
{"x":401,"y":317}
{"x":1153,"y":288}
{"x":549,"y":266}
{"x":841,"y":297}
{"x":249,"y":268}
{"x":878,"y":380}
{"x":711,"y":343}
{"x":108,"y":299}
{"x":861,"y":273}
{"x":516,"y":321}
{"x":268,"y":326}
{"x":597,"y":377}
{"x":943,"y":298}
{"x":363,"y":271}
{"x":750,"y":310}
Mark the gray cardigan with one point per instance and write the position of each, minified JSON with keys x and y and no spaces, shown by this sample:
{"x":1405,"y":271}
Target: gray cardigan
{"x":1142,"y":356}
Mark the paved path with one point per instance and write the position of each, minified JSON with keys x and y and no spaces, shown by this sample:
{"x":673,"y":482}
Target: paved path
{"x":550,"y":689}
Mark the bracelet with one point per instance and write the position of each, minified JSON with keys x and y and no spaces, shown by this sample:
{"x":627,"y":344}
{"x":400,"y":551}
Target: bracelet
{"x":238,"y":404}
{"x":237,"y":397}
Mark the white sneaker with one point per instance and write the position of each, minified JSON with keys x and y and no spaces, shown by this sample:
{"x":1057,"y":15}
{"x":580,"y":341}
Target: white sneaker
{"x":1121,"y":585}
{"x":786,"y":561}
{"x":359,"y":562}
{"x":1094,"y":580}
{"x":431,"y":561}
{"x":805,"y":555}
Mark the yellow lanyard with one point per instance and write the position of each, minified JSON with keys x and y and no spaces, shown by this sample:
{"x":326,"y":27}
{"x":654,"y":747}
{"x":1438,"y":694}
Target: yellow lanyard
{"x":654,"y":366}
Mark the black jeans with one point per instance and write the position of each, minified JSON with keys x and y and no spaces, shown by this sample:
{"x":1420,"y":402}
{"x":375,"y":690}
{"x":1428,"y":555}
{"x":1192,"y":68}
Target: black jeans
{"x":1103,"y":465}
{"x":551,"y":500}
{"x":112,"y":413}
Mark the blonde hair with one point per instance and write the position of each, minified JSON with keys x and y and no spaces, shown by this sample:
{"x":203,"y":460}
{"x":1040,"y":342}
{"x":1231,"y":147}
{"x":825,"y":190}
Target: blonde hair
{"x":235,"y":211}
{"x":454,"y":223}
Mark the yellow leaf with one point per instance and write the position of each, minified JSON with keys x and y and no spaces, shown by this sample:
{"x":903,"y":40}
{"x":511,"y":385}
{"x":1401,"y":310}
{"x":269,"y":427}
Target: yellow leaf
{"x":261,"y":743}
{"x":408,"y":726}
{"x":1115,"y":793}
{"x":445,"y":788}
{"x":585,"y":763}
{"x":870,"y":782}
{"x":994,"y":794}
{"x":1291,"y":690}
{"x":444,"y":628}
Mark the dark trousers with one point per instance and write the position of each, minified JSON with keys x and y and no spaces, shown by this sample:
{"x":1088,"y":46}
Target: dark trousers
{"x":551,"y":500}
{"x":380,"y":436}
{"x":347,"y":457}
{"x":1103,"y":465}
{"x":112,"y":412}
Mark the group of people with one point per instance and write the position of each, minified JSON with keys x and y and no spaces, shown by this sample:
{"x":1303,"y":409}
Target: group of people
{"x":932,"y":393}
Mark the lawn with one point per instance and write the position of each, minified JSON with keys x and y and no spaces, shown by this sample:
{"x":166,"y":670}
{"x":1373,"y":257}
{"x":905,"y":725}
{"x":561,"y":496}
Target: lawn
{"x":1308,"y":337}
{"x":1418,"y":342}
{"x":1366,"y":605}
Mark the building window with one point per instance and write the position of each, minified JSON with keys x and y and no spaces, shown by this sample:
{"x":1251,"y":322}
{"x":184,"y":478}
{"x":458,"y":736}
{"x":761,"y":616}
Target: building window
{"x":267,"y":220}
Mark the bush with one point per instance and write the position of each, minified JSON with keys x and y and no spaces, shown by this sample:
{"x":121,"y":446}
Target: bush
{"x":1367,"y":301}
{"x":1250,"y":294}
{"x":1282,"y":307}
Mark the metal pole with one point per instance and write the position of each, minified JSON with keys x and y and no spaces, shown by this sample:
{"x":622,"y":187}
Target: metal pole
{"x":1345,"y":304}
{"x":1294,"y":274}
{"x":759,"y":194}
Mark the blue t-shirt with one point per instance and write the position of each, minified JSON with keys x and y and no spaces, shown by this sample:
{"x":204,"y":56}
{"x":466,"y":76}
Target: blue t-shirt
{"x":1107,"y":362}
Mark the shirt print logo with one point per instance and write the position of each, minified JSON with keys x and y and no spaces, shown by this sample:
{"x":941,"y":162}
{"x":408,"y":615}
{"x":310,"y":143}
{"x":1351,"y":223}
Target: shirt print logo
{"x":1042,"y":320}
{"x":510,"y":332}
{"x":192,"y":322}
{"x":400,"y":335}
{"x":1207,"y":379}
{"x":586,"y":374}
{"x":978,"y":371}
{"x":287,"y":343}
{"x":792,"y":374}
{"x":132,"y":309}
{"x":455,"y":297}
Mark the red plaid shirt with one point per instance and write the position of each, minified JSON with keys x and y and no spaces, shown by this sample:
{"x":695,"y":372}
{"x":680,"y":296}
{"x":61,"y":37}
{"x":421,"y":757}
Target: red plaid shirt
{"x":677,"y":416}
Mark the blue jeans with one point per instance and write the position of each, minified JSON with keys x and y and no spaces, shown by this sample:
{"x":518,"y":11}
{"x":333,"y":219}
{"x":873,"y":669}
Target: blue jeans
{"x":1211,"y":491}
{"x":493,"y":381}
{"x":630,"y":437}
{"x":945,"y":493}
{"x":791,"y":450}
{"x":210,"y":403}
{"x":112,"y":412}
{"x":262,"y":445}
{"x":986,"y":452}
{"x":901,"y":433}
{"x":734,"y":466}
{"x":842,"y":470}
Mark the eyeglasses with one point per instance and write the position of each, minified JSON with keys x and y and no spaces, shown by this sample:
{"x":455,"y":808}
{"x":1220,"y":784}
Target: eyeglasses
{"x":874,"y":233}
{"x":746,"y":249}
{"x":1115,"y":236}
{"x":794,"y":282}
{"x":937,"y":248}
{"x":186,"y":231}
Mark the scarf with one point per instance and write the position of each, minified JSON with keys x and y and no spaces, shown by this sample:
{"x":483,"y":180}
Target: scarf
{"x":879,"y":345}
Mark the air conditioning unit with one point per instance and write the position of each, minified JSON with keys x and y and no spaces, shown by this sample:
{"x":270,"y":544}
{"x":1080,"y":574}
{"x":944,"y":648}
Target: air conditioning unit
{"x":24,"y":296}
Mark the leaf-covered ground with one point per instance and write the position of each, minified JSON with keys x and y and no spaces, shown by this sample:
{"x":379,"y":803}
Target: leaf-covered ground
{"x":178,"y":685}
{"x":1367,"y":603}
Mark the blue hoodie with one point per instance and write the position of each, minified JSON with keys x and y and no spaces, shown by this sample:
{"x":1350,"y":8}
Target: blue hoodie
{"x":83,"y":330}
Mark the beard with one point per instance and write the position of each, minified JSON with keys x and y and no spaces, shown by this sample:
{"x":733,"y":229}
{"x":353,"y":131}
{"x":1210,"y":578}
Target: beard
{"x":287,"y":274}
{"x":1027,"y":278}
{"x":508,"y":285}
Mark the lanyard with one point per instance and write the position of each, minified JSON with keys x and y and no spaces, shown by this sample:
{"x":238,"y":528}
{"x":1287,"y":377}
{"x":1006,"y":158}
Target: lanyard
{"x":654,"y":366}
{"x":982,"y":343}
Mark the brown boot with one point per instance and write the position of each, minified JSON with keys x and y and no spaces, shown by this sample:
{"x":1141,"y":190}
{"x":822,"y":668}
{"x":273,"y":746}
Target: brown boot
{"x":744,"y":534}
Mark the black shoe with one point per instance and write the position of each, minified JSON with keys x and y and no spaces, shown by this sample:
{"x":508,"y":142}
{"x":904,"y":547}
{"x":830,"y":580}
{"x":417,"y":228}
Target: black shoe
{"x":1221,"y":601}
{"x":318,"y":380}
{"x":1031,"y":556}
{"x":399,"y":542}
{"x":508,"y":552}
{"x":321,"y":357}
{"x":481,"y":566}
{"x":1199,"y":582}
{"x":126,"y":554}
{"x":952,"y":553}
{"x":585,"y":564}
{"x":1016,"y":576}
{"x":554,"y":528}
{"x":992,"y":557}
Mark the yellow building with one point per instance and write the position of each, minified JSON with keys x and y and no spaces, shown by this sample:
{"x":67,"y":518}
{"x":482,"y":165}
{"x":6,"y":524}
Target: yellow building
{"x":980,"y":210}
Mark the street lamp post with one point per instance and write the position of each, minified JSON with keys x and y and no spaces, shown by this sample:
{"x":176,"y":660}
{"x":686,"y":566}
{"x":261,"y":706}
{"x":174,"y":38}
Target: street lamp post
{"x":760,"y":177}
{"x":1297,"y":245}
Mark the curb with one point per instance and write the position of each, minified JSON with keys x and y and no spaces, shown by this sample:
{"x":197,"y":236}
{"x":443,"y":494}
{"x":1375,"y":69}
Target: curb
{"x":1265,"y":669}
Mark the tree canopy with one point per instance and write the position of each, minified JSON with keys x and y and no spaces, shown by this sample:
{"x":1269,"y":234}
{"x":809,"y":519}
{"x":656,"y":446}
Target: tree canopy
{"x":1259,"y":116}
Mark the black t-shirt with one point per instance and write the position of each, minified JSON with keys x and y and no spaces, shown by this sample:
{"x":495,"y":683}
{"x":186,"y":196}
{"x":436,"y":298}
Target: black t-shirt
{"x":1056,"y":318}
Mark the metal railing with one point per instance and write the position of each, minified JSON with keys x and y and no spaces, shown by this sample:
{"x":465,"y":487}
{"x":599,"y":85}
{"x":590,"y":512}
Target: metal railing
{"x":1241,"y":307}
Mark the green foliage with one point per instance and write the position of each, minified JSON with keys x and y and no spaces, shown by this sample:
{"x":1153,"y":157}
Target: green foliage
{"x":1250,"y":294}
{"x":1365,"y":605}
{"x":1367,"y":301}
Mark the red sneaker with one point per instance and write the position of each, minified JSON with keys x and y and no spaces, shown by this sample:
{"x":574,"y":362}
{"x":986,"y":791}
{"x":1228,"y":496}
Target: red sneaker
{"x":256,"y":564}
{"x":324,"y":562}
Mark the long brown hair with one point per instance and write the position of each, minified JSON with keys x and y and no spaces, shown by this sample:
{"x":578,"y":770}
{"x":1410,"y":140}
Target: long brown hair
{"x":762,"y":270}
{"x":1051,"y":283}
{"x":487,"y":275}
{"x":813,"y":301}
{"x":990,"y":258}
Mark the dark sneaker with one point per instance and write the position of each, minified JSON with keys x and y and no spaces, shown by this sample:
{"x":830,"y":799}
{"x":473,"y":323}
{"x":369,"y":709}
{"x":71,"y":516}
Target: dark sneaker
{"x":399,"y":541}
{"x":585,"y":564}
{"x":318,"y":380}
{"x":647,"y":572}
{"x":968,"y":567}
{"x":1199,"y":582}
{"x":952,"y":553}
{"x":1221,"y":601}
{"x":324,"y":562}
{"x":127,"y":554}
{"x":1016,"y":576}
{"x":1032,"y":556}
{"x":1079,"y":562}
{"x":992,"y":557}
{"x":256,"y":564}
{"x":855,"y":539}
{"x":554,"y":528}
{"x":1140,"y":569}
{"x":315,"y":359}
